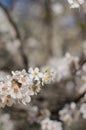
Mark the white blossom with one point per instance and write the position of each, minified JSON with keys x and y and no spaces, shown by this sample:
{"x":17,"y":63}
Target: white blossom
{"x":62,"y":66}
{"x":83,"y":110}
{"x":75,"y":3}
{"x":69,"y":113}
{"x":48,"y":124}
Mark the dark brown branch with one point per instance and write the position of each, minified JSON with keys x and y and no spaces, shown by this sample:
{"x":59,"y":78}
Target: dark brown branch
{"x":25,"y":61}
{"x":81,"y":63}
{"x":48,"y":22}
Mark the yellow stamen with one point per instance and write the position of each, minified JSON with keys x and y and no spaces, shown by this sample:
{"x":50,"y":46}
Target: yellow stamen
{"x":23,"y":79}
{"x":4,"y":89}
{"x":35,"y":73}
{"x":16,"y":90}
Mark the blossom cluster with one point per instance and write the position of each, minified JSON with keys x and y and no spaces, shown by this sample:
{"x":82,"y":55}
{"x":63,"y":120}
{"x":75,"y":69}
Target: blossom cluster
{"x":37,"y":115}
{"x":21,"y":85}
{"x":64,"y":64}
{"x":48,"y":124}
{"x":72,"y":112}
{"x":69,"y":113}
{"x":75,"y":3}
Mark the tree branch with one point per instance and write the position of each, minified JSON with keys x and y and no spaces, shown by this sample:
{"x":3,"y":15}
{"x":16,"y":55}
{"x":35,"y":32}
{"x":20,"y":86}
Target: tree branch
{"x":18,"y":36}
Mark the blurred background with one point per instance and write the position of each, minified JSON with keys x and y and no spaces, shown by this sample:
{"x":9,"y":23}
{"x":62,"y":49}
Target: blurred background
{"x":47,"y":28}
{"x":33,"y":32}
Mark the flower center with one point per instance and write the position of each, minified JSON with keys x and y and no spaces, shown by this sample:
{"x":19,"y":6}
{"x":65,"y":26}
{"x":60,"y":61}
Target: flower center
{"x":4,"y":89}
{"x":16,"y":90}
{"x":35,"y":73}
